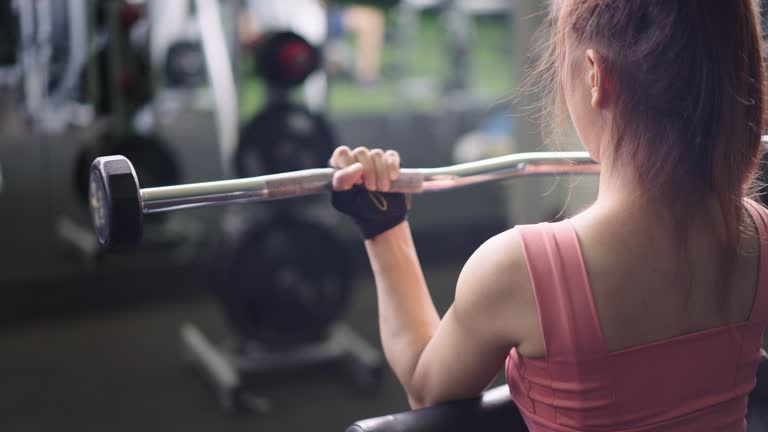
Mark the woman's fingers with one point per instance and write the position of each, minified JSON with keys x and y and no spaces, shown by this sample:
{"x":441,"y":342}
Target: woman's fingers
{"x":347,"y":177}
{"x":342,"y":157}
{"x":375,"y":168}
{"x":393,"y":164}
{"x":362,"y":155}
{"x":380,"y":167}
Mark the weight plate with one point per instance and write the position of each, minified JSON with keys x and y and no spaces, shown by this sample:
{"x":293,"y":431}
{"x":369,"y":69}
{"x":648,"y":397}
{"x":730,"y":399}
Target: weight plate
{"x":285,"y":59}
{"x":284,"y":137}
{"x":288,"y":282}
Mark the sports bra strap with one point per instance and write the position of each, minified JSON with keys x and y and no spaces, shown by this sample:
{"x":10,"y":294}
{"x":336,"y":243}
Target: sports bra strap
{"x":760,"y":216}
{"x":567,"y":312}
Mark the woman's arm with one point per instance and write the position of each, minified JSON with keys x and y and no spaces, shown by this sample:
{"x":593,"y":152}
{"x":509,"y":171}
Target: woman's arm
{"x":459,"y":355}
{"x":407,"y":316}
{"x":456,"y":357}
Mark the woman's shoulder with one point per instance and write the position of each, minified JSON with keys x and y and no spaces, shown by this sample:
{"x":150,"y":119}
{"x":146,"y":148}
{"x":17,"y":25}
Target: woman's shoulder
{"x":495,"y":269}
{"x":494,"y":285}
{"x":501,"y":253}
{"x":507,"y":249}
{"x":501,"y":261}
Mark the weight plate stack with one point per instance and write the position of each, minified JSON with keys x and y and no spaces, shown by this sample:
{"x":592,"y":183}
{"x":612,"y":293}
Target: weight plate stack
{"x":284,"y":137}
{"x":285,"y":283}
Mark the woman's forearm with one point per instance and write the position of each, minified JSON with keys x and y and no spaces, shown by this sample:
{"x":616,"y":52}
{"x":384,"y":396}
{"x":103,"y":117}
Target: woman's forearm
{"x":407,"y":317}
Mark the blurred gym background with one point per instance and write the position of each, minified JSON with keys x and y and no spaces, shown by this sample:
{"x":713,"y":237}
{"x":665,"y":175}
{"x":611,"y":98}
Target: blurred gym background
{"x":257,"y":317}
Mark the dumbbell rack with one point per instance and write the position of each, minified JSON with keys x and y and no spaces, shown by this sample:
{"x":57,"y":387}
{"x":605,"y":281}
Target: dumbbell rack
{"x":229,"y":368}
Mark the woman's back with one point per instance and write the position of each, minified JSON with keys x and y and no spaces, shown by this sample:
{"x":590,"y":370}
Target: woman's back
{"x":632,"y":340}
{"x":646,"y":289}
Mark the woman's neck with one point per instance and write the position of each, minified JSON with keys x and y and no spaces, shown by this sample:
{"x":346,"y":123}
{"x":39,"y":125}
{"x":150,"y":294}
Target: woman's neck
{"x":623,"y":197}
{"x":619,"y":189}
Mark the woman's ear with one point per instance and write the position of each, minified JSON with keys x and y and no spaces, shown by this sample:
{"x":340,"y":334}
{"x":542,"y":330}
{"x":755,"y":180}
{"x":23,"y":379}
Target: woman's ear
{"x":597,"y":79}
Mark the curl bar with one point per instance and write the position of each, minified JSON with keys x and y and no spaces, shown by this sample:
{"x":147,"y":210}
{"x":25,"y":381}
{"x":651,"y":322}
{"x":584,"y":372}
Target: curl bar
{"x":118,"y":204}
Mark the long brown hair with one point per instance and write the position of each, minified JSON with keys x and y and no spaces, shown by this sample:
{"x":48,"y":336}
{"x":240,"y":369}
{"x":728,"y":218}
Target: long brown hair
{"x":688,"y":76}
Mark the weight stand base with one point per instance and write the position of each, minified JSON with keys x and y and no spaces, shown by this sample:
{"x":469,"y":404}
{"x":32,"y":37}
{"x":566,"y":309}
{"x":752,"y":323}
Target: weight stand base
{"x":227,"y":369}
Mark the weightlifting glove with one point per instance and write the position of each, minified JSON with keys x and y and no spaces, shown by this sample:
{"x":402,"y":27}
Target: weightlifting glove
{"x":373,"y":212}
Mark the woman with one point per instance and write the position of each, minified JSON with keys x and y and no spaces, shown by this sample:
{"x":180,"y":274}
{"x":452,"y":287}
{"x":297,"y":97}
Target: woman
{"x":644,"y":312}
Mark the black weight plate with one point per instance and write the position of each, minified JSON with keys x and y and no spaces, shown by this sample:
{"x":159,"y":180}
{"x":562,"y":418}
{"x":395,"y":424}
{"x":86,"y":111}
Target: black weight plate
{"x":285,"y":59}
{"x":284,"y":137}
{"x":288,"y":282}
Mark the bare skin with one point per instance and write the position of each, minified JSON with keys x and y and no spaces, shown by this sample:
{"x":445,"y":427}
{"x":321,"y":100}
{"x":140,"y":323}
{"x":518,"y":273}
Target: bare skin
{"x":368,"y":25}
{"x":642,"y":292}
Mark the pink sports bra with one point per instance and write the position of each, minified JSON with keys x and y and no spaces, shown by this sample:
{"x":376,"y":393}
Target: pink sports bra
{"x":696,"y":382}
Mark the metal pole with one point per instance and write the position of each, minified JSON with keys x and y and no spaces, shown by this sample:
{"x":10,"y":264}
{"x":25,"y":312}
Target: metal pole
{"x":221,"y":76}
{"x":318,"y":181}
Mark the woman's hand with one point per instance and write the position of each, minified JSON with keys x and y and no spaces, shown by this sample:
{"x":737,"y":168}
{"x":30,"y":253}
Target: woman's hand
{"x":375,"y":169}
{"x":370,"y":206}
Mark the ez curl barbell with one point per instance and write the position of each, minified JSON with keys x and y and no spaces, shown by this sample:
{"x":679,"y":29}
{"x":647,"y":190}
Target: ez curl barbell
{"x":118,"y":204}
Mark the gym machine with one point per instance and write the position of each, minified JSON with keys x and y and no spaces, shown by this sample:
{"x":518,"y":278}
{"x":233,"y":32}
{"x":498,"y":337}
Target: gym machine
{"x":69,"y":85}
